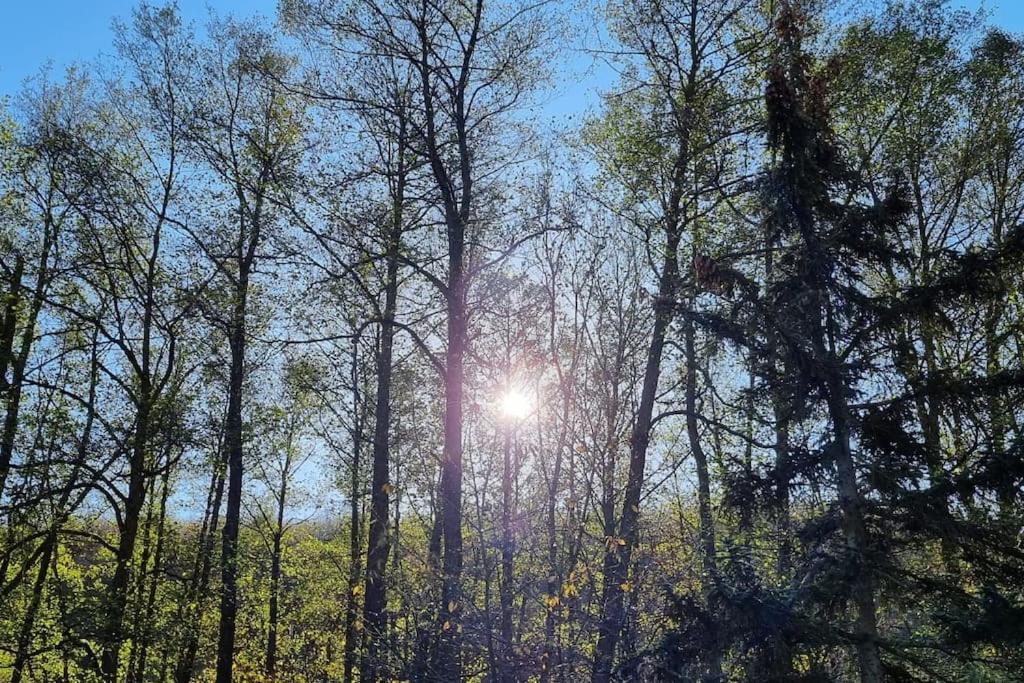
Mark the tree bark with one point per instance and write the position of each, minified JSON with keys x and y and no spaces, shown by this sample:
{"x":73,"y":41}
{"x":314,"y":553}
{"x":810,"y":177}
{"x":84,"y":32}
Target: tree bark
{"x":135,"y":501}
{"x":378,"y":543}
{"x":505,"y":594}
{"x":270,"y":665}
{"x":184,"y":667}
{"x":9,"y":321}
{"x":709,"y":562}
{"x":158,"y":553}
{"x":855,"y":531}
{"x":448,"y":666}
{"x":19,"y":359}
{"x":232,"y":513}
{"x":850,"y":500}
{"x":352,"y":624}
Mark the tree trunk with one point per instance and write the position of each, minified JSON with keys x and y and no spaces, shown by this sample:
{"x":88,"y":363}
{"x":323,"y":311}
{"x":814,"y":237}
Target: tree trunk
{"x":378,"y":543}
{"x":185,"y":665}
{"x":232,"y":514}
{"x":51,"y":547}
{"x":119,"y":585}
{"x":270,"y":666}
{"x":139,"y":589}
{"x":28,"y":624}
{"x":707,"y":523}
{"x":448,"y":666}
{"x":352,"y":623}
{"x":505,"y":596}
{"x":554,"y":582}
{"x":138,"y":468}
{"x":19,"y":360}
{"x":9,"y":322}
{"x":618,"y":555}
{"x":158,"y":553}
{"x":426,"y":636}
{"x":850,"y":500}
{"x":856,"y":542}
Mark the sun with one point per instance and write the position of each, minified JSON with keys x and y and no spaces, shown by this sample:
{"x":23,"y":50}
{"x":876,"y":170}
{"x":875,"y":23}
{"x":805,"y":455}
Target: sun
{"x":515,"y":404}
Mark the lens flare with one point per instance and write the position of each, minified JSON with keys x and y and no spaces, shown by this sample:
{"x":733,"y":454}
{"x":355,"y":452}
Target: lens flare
{"x":515,"y":404}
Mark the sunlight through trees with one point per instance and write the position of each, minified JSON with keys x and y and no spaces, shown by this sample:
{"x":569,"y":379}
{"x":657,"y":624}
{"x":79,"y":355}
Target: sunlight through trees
{"x":330,"y":350}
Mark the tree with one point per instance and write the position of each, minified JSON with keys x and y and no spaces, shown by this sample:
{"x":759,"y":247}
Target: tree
{"x":678,"y":113}
{"x":287,"y":425}
{"x":249,"y":136}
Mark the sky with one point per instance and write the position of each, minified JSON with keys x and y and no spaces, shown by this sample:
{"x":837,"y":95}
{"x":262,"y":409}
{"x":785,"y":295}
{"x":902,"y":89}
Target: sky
{"x":62,"y":32}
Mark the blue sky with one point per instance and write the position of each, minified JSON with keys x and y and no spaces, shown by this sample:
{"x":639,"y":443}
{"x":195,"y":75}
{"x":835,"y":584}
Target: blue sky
{"x":61,"y":32}
{"x":33,"y":32}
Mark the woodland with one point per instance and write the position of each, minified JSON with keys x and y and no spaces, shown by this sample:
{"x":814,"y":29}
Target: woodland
{"x":329,"y":353}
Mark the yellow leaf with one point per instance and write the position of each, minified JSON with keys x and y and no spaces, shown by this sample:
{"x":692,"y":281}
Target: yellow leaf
{"x":626,"y":586}
{"x":612,"y":541}
{"x":447,"y":625}
{"x":388,"y":488}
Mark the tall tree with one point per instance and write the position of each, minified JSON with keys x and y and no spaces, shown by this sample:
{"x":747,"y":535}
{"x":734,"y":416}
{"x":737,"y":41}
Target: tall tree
{"x":816,"y":315}
{"x":249,"y":137}
{"x":677,"y":110}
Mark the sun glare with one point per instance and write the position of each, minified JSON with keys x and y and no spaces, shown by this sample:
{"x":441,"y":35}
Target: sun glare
{"x":515,"y":404}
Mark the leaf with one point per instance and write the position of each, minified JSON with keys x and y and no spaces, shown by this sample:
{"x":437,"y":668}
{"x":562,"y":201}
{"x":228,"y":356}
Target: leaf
{"x":612,"y":541}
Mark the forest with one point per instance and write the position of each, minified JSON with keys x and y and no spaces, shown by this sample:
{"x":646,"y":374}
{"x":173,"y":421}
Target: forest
{"x":329,"y":353}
